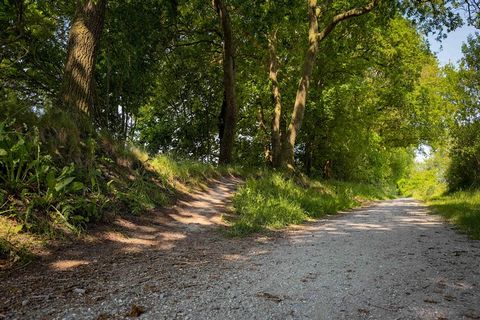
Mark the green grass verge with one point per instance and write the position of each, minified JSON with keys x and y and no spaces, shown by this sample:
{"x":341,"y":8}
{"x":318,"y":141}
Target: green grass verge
{"x":460,"y":208}
{"x":272,"y":201}
{"x":188,"y":172}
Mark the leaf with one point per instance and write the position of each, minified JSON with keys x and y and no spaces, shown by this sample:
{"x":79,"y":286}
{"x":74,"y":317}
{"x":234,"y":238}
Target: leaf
{"x":77,"y":186}
{"x":50,"y":179}
{"x":63,"y":183}
{"x":269,"y":296}
{"x":136,"y":311}
{"x":3,"y":152}
{"x":17,"y":228}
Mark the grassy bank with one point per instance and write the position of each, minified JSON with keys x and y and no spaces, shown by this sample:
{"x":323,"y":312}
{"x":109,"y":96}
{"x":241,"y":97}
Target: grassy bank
{"x":51,"y":188}
{"x":461,"y":209}
{"x":47,"y":201}
{"x":271,"y":201}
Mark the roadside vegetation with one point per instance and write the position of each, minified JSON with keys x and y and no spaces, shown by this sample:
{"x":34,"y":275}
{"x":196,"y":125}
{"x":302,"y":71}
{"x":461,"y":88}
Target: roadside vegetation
{"x":436,"y":181}
{"x":461,"y":208}
{"x":51,"y":189}
{"x":318,"y":105}
{"x":273,"y":200}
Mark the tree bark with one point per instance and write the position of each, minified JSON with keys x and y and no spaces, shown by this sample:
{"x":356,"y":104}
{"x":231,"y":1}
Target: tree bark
{"x":314,"y":38}
{"x":277,"y":101}
{"x":301,"y":96}
{"x":229,"y":116}
{"x":77,"y":92}
{"x":267,"y":152}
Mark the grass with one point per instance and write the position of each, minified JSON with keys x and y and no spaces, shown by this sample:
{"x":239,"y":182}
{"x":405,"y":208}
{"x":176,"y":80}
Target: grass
{"x":15,"y":247}
{"x":272,"y":201}
{"x":188,"y":173}
{"x":47,"y":195}
{"x":460,"y":208}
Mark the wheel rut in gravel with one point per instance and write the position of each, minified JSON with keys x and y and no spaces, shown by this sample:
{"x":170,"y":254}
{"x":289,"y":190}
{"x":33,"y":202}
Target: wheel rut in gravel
{"x":391,"y":260}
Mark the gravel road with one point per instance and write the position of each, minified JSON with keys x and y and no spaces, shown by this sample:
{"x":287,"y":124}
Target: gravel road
{"x":391,"y":260}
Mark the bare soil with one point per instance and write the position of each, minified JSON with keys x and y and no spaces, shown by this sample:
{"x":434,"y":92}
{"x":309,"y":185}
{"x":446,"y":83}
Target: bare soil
{"x":391,"y":260}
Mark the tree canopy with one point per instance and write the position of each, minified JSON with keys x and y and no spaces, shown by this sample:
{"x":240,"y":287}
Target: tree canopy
{"x":343,"y":89}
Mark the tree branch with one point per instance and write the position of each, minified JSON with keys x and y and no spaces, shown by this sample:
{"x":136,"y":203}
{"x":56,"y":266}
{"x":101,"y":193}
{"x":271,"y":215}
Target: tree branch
{"x":355,"y":12}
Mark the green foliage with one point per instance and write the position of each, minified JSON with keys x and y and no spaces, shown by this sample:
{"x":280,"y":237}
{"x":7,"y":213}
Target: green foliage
{"x":32,"y":45}
{"x":462,"y":209}
{"x":426,"y":180}
{"x":366,"y":117}
{"x":184,"y":171}
{"x":46,"y":196}
{"x":464,"y":171}
{"x":375,"y":94}
{"x":141,"y":194}
{"x":35,"y":190}
{"x":273,"y":201}
{"x":14,"y":254}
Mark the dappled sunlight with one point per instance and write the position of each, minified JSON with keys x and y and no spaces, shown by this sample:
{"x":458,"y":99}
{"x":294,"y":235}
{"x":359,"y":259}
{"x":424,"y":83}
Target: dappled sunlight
{"x":234,"y":257}
{"x":161,"y":231}
{"x":133,"y":227}
{"x":116,"y":237}
{"x":384,"y":217}
{"x":197,"y":219}
{"x":63,"y":265}
{"x":355,"y":249}
{"x":367,"y":226}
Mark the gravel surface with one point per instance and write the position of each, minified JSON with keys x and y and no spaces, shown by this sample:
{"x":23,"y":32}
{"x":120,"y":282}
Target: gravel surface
{"x":388,"y":261}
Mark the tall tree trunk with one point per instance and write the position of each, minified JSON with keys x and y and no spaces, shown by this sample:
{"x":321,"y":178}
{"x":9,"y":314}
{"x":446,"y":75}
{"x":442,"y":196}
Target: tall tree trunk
{"x":301,"y":97}
{"x":78,"y":80}
{"x":229,"y":116}
{"x":277,"y":101}
{"x":221,"y":118}
{"x":314,"y":38}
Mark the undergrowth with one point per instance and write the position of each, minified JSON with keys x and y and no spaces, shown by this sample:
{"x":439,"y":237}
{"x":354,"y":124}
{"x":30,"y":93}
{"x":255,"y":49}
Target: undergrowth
{"x":273,"y":201}
{"x":52,"y":187}
{"x":461,"y":208}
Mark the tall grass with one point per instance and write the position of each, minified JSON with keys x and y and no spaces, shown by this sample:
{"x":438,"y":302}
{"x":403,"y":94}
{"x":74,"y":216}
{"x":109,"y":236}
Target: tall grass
{"x":273,"y":201}
{"x":462,"y":209}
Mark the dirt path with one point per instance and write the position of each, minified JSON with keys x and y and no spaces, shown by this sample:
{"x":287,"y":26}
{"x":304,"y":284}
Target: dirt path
{"x":387,"y":261}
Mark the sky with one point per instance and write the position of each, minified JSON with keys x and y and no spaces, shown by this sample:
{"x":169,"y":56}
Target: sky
{"x":450,"y":49}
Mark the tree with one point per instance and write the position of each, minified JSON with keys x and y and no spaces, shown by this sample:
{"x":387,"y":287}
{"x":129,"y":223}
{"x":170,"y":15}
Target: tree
{"x":228,"y":114}
{"x":77,"y":93}
{"x":314,"y":39}
{"x":31,"y":44}
{"x":464,"y":170}
{"x":277,"y":133}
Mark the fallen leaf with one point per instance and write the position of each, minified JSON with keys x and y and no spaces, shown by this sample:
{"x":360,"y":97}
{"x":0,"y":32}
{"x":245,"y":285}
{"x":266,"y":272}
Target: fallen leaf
{"x":364,"y":311}
{"x":269,"y":296}
{"x":429,"y":300}
{"x":136,"y":311}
